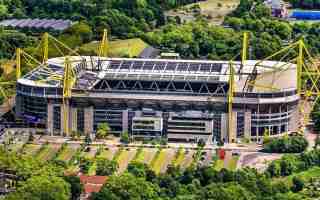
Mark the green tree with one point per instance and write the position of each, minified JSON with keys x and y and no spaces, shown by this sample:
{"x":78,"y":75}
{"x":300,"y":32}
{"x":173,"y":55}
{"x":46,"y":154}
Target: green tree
{"x":106,"y":167}
{"x":297,"y":184}
{"x":125,"y":137}
{"x":134,"y":187}
{"x":42,"y":188}
{"x":103,"y":130}
{"x":76,"y":186}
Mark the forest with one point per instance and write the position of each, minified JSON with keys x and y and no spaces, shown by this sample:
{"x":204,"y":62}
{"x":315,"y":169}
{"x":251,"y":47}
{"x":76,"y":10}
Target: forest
{"x":282,"y":180}
{"x":197,"y":39}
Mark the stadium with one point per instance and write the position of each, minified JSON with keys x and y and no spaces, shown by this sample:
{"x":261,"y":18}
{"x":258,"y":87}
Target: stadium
{"x":181,"y":100}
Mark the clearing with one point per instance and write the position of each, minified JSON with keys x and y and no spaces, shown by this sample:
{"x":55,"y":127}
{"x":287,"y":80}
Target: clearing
{"x":48,"y":152}
{"x":163,"y":160}
{"x":124,"y":159}
{"x":67,"y":153}
{"x":31,"y":149}
{"x":119,"y":48}
{"x":213,"y":10}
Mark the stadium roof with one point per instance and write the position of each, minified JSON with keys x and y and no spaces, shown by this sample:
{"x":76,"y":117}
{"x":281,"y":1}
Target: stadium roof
{"x":55,"y":24}
{"x":91,"y":70}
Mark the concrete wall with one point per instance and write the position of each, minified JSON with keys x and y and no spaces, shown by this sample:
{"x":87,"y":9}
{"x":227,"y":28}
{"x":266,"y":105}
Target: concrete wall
{"x":247,"y":124}
{"x":50,"y":118}
{"x":88,"y":120}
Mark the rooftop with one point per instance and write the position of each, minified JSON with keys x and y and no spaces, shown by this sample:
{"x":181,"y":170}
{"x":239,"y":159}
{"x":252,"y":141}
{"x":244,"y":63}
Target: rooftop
{"x":90,"y":70}
{"x":55,"y":24}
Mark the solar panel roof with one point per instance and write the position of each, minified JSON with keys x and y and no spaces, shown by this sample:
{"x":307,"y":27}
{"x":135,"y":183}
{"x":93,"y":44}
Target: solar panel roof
{"x":37,"y":23}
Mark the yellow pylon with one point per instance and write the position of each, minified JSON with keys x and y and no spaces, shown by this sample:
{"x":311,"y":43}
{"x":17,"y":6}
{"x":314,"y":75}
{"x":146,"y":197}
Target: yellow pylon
{"x":230,"y":102}
{"x":45,"y":40}
{"x":18,"y":63}
{"x":103,"y":48}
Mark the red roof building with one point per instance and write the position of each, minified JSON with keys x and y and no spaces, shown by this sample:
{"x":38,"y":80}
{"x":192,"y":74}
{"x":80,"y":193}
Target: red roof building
{"x":91,"y":184}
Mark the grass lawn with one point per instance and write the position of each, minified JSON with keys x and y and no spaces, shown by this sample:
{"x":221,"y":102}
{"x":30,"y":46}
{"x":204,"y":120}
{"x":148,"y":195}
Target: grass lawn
{"x":108,"y":153}
{"x":218,"y":165}
{"x":7,"y":66}
{"x":139,"y":157}
{"x":90,"y":154}
{"x":232,"y":165}
{"x":92,"y":169}
{"x":188,"y":159}
{"x":306,"y":175}
{"x":16,"y":147}
{"x":67,"y":153}
{"x":120,"y":48}
{"x":214,"y":10}
{"x":148,"y":154}
{"x":31,"y":149}
{"x":179,"y":157}
{"x":163,"y":160}
{"x":124,"y":158}
{"x":48,"y":152}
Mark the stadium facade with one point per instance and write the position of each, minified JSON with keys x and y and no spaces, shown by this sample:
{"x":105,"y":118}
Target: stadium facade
{"x":183,"y":100}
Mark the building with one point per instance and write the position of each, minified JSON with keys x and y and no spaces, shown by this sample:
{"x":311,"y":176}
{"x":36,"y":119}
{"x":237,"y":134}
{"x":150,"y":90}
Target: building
{"x":278,"y":8}
{"x":183,"y":100}
{"x":42,"y":24}
{"x":91,"y":184}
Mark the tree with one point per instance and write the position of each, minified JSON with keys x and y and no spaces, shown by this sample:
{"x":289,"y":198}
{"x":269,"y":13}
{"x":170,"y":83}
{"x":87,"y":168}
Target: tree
{"x":106,"y":167}
{"x":229,"y":191}
{"x":42,"y":188}
{"x":103,"y":130}
{"x":138,"y":169}
{"x":87,"y":140}
{"x":293,"y":144}
{"x":125,"y":137}
{"x":76,"y":186}
{"x":82,"y":29}
{"x":134,"y":187}
{"x":317,"y":142}
{"x":3,"y":11}
{"x":297,"y":184}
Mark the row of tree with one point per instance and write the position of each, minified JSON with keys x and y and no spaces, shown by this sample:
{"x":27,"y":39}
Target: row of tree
{"x":293,"y":144}
{"x":139,"y":182}
{"x":290,"y":164}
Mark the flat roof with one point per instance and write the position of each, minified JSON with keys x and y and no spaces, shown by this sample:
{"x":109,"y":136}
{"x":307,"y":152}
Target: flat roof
{"x":270,"y":75}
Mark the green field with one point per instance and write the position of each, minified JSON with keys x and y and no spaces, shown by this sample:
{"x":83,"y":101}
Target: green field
{"x":162,"y":160}
{"x":139,"y":157}
{"x":179,"y":157}
{"x":67,"y":153}
{"x":124,"y":158}
{"x":31,"y":149}
{"x":232,"y":165}
{"x":218,"y":165}
{"x":47,"y":152}
{"x":214,"y":10}
{"x":119,"y":48}
{"x":90,"y":154}
{"x":306,"y":175}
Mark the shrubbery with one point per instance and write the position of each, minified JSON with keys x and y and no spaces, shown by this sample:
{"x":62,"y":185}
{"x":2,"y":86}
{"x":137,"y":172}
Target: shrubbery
{"x":293,"y":144}
{"x":290,"y":164}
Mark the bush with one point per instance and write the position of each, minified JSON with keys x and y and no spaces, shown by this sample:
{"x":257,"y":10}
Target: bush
{"x":106,"y":167}
{"x":125,"y":138}
{"x":298,"y":184}
{"x":294,"y":144}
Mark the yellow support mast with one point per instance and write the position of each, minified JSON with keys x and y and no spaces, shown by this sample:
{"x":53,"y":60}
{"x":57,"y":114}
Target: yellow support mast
{"x":299,"y":66}
{"x":245,"y":44}
{"x":103,"y":48}
{"x":231,"y":137}
{"x":18,"y":63}
{"x":68,"y":81}
{"x":45,"y":47}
